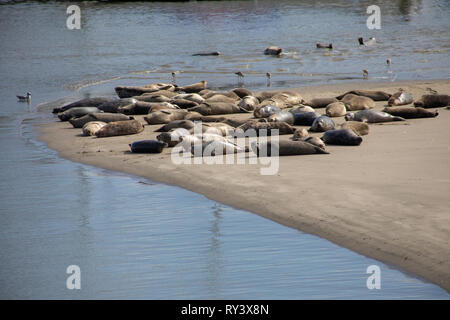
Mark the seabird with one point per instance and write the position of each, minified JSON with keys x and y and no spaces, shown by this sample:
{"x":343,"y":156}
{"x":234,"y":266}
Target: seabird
{"x":24,"y":98}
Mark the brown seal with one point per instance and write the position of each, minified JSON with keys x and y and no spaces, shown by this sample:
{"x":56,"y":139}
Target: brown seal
{"x":120,"y":128}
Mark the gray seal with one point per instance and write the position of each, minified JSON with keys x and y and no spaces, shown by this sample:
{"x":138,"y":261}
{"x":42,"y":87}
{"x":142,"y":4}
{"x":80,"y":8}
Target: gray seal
{"x":120,"y":128}
{"x":77,"y":112}
{"x":411,"y":112}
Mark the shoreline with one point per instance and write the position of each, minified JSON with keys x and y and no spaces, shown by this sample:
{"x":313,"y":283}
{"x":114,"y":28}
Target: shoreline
{"x":383,"y":199}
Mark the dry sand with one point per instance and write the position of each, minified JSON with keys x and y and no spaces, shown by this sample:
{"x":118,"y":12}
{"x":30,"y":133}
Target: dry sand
{"x":387,"y":198}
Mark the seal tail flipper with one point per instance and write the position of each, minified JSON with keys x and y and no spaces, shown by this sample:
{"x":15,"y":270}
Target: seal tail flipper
{"x":398,"y":119}
{"x":320,"y":150}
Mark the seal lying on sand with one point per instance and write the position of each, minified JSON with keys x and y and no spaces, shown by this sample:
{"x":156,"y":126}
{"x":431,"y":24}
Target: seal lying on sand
{"x":305,"y":118}
{"x":354,"y":102}
{"x":336,"y":109}
{"x":217,"y":108}
{"x":433,"y":101}
{"x":165,"y":116}
{"x":120,"y":128}
{"x":242,"y":92}
{"x":300,"y":134}
{"x":128,"y":92}
{"x":266,"y":111}
{"x":249,"y":103}
{"x":285,"y":148}
{"x":77,"y":112}
{"x":183,"y":103}
{"x":322,"y":124}
{"x":265,"y":128}
{"x":113,"y":106}
{"x":272,"y":50}
{"x":284,"y":116}
{"x":315,"y":141}
{"x":400,"y":98}
{"x":301,"y":108}
{"x":345,"y":137}
{"x":88,"y":102}
{"x":371,"y":116}
{"x":320,"y":102}
{"x":172,"y":138}
{"x":359,"y":128}
{"x":101,"y":116}
{"x":374,"y":95}
{"x":147,"y":146}
{"x":411,"y":112}
{"x":193,"y":88}
{"x":91,"y":128}
{"x":186,"y":124}
{"x":195,"y":97}
{"x":215,"y":148}
{"x":142,"y":107}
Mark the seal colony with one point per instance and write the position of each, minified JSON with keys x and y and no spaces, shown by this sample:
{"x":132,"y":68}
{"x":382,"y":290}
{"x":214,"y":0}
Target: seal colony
{"x":185,"y":107}
{"x":386,"y":198}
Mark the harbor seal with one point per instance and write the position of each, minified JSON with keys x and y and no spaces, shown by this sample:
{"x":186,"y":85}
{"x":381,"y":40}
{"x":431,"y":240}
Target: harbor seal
{"x":207,"y":109}
{"x":186,"y":124}
{"x":128,"y":92}
{"x":215,"y":148}
{"x":172,"y":138}
{"x":265,"y":128}
{"x":273,"y":50}
{"x":411,"y":112}
{"x":90,"y":128}
{"x":433,"y":101}
{"x":220,"y":98}
{"x":88,"y":102}
{"x":120,"y":128}
{"x":242,"y":92}
{"x":211,"y":53}
{"x":193,"y":88}
{"x":359,"y":128}
{"x":374,"y":95}
{"x":354,"y":102}
{"x":320,"y":102}
{"x":299,"y":134}
{"x":266,"y":111}
{"x":344,"y":137}
{"x":217,"y":128}
{"x":301,"y":108}
{"x":77,"y":112}
{"x":400,"y":98}
{"x":147,"y":146}
{"x":183,"y":103}
{"x":98,"y":116}
{"x":284,"y":116}
{"x":305,"y":118}
{"x":285,"y":148}
{"x":113,"y":106}
{"x":315,"y":141}
{"x":249,"y":103}
{"x":371,"y":116}
{"x":229,"y":94}
{"x":165,"y":116}
{"x":195,"y":97}
{"x":322,"y":124}
{"x":142,"y":107}
{"x":336,"y":109}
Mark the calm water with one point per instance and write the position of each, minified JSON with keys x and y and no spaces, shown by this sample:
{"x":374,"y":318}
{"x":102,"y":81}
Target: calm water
{"x":136,"y":239}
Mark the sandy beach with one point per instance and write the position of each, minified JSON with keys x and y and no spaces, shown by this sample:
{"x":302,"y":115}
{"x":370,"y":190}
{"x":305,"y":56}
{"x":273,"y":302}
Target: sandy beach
{"x":386,"y":199}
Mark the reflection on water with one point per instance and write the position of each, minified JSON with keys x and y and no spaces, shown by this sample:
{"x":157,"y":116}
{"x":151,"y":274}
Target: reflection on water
{"x":133,"y":238}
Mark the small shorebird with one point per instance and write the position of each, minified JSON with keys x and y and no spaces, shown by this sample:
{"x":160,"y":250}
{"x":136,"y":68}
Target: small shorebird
{"x":268,"y":75}
{"x":239,"y":74}
{"x":388,"y":62}
{"x":26,"y":98}
{"x":365,"y":74}
{"x":174,"y":76}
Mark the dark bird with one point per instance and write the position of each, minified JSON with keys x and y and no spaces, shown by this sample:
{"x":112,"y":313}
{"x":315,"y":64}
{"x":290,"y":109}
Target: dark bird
{"x":26,"y":98}
{"x":324,"y":46}
{"x":365,"y":74}
{"x":240,"y":75}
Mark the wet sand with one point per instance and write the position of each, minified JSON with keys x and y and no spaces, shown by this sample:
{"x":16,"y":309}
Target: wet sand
{"x":386,"y":199}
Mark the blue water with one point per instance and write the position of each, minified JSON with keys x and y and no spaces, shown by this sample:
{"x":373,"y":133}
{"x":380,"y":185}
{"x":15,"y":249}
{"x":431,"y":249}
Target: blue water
{"x":135,"y":239}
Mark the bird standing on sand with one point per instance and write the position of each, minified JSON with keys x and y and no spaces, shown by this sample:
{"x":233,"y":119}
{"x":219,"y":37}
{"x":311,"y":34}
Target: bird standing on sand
{"x":268,"y":75}
{"x":365,"y":74}
{"x":26,"y":98}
